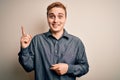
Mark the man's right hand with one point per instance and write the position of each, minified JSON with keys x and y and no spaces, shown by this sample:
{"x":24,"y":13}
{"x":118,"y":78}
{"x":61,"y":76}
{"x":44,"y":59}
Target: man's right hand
{"x":25,"y":39}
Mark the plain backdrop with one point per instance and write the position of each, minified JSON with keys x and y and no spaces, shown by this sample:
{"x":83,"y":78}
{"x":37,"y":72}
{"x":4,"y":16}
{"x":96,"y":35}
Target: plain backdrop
{"x":95,"y":22}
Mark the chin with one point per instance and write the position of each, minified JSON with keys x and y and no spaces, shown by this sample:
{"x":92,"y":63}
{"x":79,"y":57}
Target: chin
{"x":55,"y":30}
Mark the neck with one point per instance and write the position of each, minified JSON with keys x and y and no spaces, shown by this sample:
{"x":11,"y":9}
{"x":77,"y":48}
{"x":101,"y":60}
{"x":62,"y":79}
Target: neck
{"x":58,"y":34}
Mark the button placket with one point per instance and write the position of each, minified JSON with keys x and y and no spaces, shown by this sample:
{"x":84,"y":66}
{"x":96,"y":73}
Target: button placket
{"x":56,"y":52}
{"x":56,"y":47}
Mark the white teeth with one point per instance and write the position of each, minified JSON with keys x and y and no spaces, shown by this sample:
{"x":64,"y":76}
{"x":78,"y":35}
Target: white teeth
{"x":55,"y":25}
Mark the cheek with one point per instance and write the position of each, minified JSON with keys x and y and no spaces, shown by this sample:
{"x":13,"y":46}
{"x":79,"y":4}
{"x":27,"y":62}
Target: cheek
{"x":50,"y":21}
{"x":63,"y":21}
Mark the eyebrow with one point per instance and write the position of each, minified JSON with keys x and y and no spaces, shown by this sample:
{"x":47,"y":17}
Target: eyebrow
{"x":61,"y":13}
{"x":58,"y":13}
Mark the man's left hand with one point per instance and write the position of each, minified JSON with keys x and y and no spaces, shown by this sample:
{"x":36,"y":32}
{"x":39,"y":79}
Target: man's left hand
{"x":60,"y":68}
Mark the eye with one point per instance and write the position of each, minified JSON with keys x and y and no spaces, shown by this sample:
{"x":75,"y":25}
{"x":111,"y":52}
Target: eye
{"x":51,"y":16}
{"x":60,"y":16}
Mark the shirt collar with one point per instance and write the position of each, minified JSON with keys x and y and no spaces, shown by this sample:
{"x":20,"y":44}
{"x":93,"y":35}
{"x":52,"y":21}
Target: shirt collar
{"x":65,"y":34}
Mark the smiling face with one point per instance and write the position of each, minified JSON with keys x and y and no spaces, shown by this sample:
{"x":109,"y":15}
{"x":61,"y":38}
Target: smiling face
{"x":56,"y":19}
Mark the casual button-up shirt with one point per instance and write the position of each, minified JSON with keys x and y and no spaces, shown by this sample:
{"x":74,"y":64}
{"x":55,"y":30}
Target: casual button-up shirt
{"x":45,"y":50}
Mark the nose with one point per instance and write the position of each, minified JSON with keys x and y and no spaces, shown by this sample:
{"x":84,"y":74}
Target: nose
{"x":55,"y":19}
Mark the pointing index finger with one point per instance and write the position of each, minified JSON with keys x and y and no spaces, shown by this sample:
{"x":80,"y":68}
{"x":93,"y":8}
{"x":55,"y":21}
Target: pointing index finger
{"x":23,"y":32}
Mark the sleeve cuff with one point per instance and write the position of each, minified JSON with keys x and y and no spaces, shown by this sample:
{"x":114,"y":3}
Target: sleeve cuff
{"x":23,"y":51}
{"x":70,"y":69}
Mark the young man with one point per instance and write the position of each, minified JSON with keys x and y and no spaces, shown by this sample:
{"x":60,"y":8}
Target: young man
{"x":54,"y":55}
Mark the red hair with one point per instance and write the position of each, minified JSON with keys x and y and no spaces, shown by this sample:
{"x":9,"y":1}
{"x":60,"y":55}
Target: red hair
{"x":56,"y":4}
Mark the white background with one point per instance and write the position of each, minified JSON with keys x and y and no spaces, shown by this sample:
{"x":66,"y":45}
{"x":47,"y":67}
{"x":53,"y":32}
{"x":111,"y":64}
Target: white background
{"x":95,"y":22}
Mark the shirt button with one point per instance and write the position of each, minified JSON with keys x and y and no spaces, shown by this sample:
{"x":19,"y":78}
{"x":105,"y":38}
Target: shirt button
{"x":56,"y":42}
{"x":55,"y":51}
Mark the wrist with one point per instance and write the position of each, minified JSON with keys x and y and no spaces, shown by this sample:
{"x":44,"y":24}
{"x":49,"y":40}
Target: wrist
{"x":70,"y":69}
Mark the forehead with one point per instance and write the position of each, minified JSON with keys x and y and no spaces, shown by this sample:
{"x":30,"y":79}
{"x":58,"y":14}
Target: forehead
{"x":56,"y":10}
